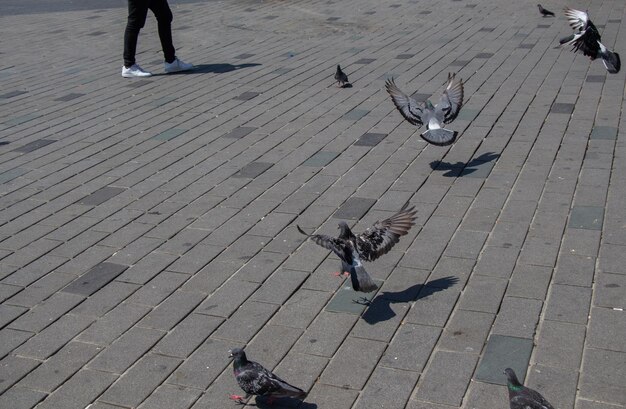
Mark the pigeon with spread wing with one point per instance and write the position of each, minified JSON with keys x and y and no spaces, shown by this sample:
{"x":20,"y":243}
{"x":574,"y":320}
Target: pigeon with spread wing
{"x":586,"y":38}
{"x":368,"y":246}
{"x":433,"y":116}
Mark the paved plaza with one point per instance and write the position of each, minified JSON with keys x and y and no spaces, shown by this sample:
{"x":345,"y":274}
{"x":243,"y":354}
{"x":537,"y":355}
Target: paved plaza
{"x":147,"y":226}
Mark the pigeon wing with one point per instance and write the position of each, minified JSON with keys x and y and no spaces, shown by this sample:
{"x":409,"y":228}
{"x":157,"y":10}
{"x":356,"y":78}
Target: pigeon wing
{"x":383,"y":235}
{"x":337,"y":246}
{"x":577,"y":19}
{"x":530,"y":402}
{"x":253,"y":379}
{"x":407,"y":106}
{"x":451,"y":100}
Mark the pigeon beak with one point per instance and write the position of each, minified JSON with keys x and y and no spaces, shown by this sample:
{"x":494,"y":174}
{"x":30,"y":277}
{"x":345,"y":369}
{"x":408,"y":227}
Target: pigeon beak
{"x":230,"y":353}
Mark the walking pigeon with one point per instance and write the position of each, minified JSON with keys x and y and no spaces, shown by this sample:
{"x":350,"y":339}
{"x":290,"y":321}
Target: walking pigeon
{"x":545,"y":12}
{"x":433,"y":116}
{"x":586,"y":38}
{"x":341,"y":77}
{"x":368,"y":246}
{"x":254,"y":379}
{"x":521,"y":397}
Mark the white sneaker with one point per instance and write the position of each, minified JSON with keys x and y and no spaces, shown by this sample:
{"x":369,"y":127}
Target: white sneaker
{"x":135,"y":71}
{"x":177,"y":66}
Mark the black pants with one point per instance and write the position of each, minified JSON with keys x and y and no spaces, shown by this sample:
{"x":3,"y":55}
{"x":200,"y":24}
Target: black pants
{"x":137,"y":13}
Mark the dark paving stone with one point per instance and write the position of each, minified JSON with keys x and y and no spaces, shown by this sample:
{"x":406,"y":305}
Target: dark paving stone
{"x":562,"y":108}
{"x":169,"y":134}
{"x":333,"y":18}
{"x":470,"y":6}
{"x":395,"y":6}
{"x":614,"y":20}
{"x":487,"y":29}
{"x":138,"y":83}
{"x":21,"y":119}
{"x":425,"y":12}
{"x":504,"y":352}
{"x":349,"y":301}
{"x":162,"y":101}
{"x":183,"y":27}
{"x":370,"y":139}
{"x":420,"y":97}
{"x":370,"y":12}
{"x":468,"y":114}
{"x":12,"y":174}
{"x":239,"y":132}
{"x":97,"y":33}
{"x":101,"y":196}
{"x":484,"y":55}
{"x":526,"y":46}
{"x":281,"y":71}
{"x":586,"y":217}
{"x":321,"y":158}
{"x":365,"y":61}
{"x":253,"y":169}
{"x":247,"y":96}
{"x":595,"y":78}
{"x":404,"y":56}
{"x":249,"y":10}
{"x":600,"y":26}
{"x":270,"y":17}
{"x":355,"y":114}
{"x":289,"y":54}
{"x":94,"y":279}
{"x":243,"y":56}
{"x":604,"y":132}
{"x":12,"y":94}
{"x":34,"y":145}
{"x":478,"y":170}
{"x":543,"y":25}
{"x":69,"y":97}
{"x":459,"y":63}
{"x":354,"y":208}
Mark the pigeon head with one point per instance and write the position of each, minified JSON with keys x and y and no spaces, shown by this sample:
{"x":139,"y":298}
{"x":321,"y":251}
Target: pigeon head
{"x":429,"y":105}
{"x":344,"y":231}
{"x":512,"y":383}
{"x":237,"y":353}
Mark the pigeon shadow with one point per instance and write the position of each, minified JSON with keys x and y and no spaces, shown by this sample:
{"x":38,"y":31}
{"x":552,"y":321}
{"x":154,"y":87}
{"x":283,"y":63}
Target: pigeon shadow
{"x":283,"y":403}
{"x":460,"y":169}
{"x":212,"y":69}
{"x":346,"y":85}
{"x":380,"y":307}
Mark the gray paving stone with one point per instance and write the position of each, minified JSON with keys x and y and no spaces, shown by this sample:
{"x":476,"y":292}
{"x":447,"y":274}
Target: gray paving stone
{"x":253,"y":169}
{"x":113,"y":324}
{"x":58,"y":368}
{"x":227,"y":299}
{"x":21,"y":398}
{"x":568,"y":303}
{"x":11,"y":339}
{"x":387,"y":387}
{"x":347,"y":372}
{"x":518,"y":317}
{"x":483,"y":293}
{"x":601,"y":376}
{"x":187,"y":335}
{"x":411,"y":347}
{"x":169,"y":134}
{"x":610,"y":291}
{"x":46,"y":312}
{"x":346,"y":300}
{"x":167,"y":314}
{"x":204,"y":365}
{"x":105,"y":299}
{"x":80,"y":390}
{"x":331,"y":397}
{"x":574,"y":270}
{"x":325,"y":334}
{"x":171,"y":397}
{"x":33,"y":146}
{"x":239,"y":132}
{"x":612,"y":259}
{"x":9,"y":313}
{"x":504,"y":352}
{"x":279,"y":287}
{"x":433,"y":306}
{"x":447,"y":378}
{"x":158,"y":289}
{"x":586,"y":217}
{"x":560,"y":345}
{"x":126,"y":350}
{"x":529,"y":281}
{"x":604,"y":321}
{"x":138,"y":382}
{"x":13,"y":368}
{"x":466,"y":332}
{"x":100,"y":196}
{"x":246,"y":321}
{"x":94,"y":279}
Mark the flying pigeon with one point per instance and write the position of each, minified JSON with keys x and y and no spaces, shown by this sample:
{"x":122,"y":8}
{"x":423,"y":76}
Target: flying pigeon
{"x":433,"y":116}
{"x":586,"y":38}
{"x":341,"y":77}
{"x":256,"y":380}
{"x":368,"y":246}
{"x":545,"y":12}
{"x":521,"y":397}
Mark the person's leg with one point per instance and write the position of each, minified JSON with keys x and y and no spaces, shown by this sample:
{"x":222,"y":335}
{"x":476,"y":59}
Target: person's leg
{"x":164,"y":17}
{"x":137,"y":12}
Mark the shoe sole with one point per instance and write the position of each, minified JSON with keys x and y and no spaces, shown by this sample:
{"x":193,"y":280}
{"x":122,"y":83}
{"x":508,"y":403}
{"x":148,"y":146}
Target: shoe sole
{"x":135,"y":76}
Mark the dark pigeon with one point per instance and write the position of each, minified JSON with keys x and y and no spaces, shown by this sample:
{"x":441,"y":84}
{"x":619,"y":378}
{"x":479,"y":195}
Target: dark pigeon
{"x":545,"y":12}
{"x":521,"y":397}
{"x":433,"y":116}
{"x":341,"y":77}
{"x":586,"y":38}
{"x":258,"y":381}
{"x":367,"y":246}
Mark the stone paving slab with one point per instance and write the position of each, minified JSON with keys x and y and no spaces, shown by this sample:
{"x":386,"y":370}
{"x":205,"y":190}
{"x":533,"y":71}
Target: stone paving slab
{"x":147,"y":226}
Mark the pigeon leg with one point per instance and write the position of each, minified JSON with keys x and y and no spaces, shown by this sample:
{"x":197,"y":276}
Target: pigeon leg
{"x":237,"y":398}
{"x":362,"y":301}
{"x":339,"y":273}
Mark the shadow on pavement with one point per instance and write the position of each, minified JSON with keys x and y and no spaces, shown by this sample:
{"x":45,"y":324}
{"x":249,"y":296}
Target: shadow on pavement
{"x":459,"y":168}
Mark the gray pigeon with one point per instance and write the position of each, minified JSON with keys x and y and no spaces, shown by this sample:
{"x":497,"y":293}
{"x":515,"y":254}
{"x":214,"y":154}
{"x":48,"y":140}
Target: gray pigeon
{"x":254,"y":379}
{"x":341,"y":77}
{"x":545,"y":12}
{"x":369,"y":245}
{"x":433,"y":116}
{"x":521,"y":397}
{"x":587,"y":38}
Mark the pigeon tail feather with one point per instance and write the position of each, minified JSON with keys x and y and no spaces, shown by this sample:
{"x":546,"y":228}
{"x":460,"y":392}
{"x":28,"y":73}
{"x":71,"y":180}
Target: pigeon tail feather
{"x":361,"y":280}
{"x":440,"y":136}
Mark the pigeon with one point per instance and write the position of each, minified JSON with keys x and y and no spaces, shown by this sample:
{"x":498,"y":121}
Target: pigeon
{"x":254,"y":379}
{"x":367,"y":246}
{"x":341,"y":77}
{"x":545,"y":12}
{"x":521,"y":397}
{"x":586,"y":38}
{"x":433,"y":116}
